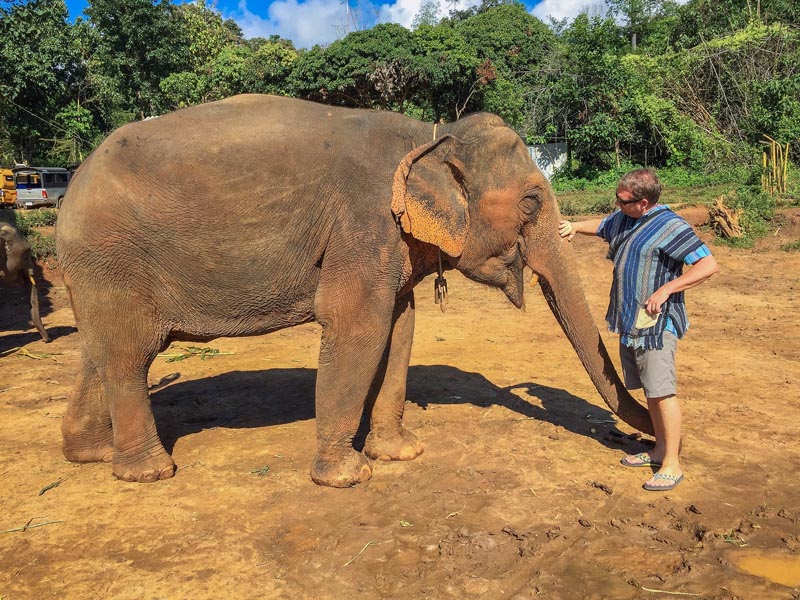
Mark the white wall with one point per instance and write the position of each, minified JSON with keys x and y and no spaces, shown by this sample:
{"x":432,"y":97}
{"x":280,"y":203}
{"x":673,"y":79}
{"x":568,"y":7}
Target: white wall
{"x":549,"y":157}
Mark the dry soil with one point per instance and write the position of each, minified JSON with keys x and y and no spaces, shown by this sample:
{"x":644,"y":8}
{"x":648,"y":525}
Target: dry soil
{"x":519,"y":493}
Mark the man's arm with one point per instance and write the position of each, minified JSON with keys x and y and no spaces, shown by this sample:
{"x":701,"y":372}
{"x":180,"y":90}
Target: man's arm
{"x":700,"y":271}
{"x":568,"y":229}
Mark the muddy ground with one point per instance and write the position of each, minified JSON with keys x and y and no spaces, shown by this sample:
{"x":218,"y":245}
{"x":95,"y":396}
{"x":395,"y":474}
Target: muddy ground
{"x":519,"y":493}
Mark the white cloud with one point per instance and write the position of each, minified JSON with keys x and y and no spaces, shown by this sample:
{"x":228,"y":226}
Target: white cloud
{"x":560,"y":9}
{"x":404,"y":11}
{"x":306,"y":22}
{"x":401,"y":12}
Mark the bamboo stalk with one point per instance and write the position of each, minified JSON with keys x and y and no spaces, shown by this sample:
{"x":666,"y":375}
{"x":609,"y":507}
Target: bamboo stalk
{"x":774,"y":178}
{"x":786,"y":170}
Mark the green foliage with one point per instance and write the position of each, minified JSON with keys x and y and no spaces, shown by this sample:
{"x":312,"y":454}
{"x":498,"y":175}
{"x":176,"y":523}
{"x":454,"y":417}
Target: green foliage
{"x":42,"y":246}
{"x":450,"y":66}
{"x":375,"y":68}
{"x":517,"y":46}
{"x":593,"y":202}
{"x":594,"y":96}
{"x":26,"y":220}
{"x":139,"y":43}
{"x":427,"y":14}
{"x":706,"y":81}
{"x":271,"y":65}
{"x":34,"y":36}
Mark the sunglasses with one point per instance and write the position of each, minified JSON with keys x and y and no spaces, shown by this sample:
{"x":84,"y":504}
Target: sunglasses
{"x":626,"y":202}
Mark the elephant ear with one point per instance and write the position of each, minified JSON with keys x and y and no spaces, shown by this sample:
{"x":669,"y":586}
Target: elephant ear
{"x":428,"y":199}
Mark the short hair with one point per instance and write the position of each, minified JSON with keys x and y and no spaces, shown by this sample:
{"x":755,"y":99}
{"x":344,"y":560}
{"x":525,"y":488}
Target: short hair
{"x":642,"y":184}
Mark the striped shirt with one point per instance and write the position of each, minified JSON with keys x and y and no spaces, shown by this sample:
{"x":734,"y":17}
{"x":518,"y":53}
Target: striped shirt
{"x":652,"y":254}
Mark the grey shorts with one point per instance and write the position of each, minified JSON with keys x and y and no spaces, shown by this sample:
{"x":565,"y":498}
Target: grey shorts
{"x":653,"y":370}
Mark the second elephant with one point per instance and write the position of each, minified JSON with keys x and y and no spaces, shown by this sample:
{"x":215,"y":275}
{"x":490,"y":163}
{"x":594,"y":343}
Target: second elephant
{"x":16,"y":267}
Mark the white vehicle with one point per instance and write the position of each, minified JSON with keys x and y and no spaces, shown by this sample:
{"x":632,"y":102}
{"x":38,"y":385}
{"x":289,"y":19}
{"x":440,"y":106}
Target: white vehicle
{"x":40,"y":186}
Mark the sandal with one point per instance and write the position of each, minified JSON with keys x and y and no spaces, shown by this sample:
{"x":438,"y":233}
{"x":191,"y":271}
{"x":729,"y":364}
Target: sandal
{"x":639,"y":460}
{"x":675,"y":479}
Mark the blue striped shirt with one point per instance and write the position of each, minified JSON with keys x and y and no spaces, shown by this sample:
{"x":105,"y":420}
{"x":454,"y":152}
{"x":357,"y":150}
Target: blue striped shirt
{"x":653,"y":254}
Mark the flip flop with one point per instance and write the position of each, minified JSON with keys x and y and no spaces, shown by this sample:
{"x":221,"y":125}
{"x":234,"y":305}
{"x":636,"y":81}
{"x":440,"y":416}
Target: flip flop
{"x":644,"y":461}
{"x":663,"y":477}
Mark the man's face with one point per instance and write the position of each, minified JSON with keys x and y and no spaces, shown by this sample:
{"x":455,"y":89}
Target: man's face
{"x":630,"y":205}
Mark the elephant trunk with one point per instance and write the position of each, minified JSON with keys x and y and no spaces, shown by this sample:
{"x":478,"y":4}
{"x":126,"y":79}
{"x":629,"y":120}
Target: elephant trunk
{"x":33,"y":294}
{"x":563,"y":291}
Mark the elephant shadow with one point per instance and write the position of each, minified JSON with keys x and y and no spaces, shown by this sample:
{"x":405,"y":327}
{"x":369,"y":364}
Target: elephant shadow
{"x":277,"y":396}
{"x":19,"y":340}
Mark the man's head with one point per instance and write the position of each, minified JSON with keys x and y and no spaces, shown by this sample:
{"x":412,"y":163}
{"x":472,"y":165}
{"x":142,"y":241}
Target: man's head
{"x":638,"y":192}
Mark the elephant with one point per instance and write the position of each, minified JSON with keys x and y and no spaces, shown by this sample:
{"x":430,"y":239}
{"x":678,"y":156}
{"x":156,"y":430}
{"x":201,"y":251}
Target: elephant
{"x":255,"y":213}
{"x":16,"y":266}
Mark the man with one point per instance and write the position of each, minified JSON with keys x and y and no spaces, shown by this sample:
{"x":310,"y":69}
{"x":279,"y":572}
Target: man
{"x":649,"y":244}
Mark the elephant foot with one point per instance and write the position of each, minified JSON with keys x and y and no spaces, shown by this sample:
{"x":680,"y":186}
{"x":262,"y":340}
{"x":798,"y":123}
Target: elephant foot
{"x":341,"y":473}
{"x":146,"y":470}
{"x":83,"y":449}
{"x":398,"y":445}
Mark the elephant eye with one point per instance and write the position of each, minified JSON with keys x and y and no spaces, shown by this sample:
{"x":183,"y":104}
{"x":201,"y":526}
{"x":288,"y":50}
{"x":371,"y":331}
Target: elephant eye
{"x":529,"y":205}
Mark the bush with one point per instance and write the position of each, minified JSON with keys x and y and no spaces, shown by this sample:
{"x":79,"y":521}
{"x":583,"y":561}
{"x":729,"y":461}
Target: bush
{"x":42,"y":246}
{"x":757,"y":211}
{"x":28,"y":219}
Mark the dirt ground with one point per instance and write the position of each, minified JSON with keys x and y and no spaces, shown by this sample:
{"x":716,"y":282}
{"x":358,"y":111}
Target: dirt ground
{"x":519,"y":493}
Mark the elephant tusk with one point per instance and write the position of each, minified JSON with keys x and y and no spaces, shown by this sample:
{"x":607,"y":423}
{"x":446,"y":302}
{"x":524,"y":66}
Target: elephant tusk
{"x":534,"y":279}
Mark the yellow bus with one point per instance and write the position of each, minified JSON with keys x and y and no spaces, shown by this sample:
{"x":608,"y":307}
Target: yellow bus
{"x":8,"y":193}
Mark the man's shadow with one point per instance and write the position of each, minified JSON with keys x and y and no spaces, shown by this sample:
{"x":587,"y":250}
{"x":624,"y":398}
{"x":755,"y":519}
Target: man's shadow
{"x":277,"y":396}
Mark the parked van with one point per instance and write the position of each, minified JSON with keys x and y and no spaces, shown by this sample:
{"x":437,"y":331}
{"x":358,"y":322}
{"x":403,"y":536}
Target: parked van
{"x":40,"y":186}
{"x":8,"y":191}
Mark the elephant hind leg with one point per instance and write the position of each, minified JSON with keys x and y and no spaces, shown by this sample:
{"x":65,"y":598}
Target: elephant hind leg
{"x":86,"y":427}
{"x":122,"y":351}
{"x":388,"y":439}
{"x":86,"y":431}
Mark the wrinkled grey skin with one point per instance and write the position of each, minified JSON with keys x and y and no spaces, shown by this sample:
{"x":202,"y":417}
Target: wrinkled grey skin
{"x":16,"y":267}
{"x":256,"y":213}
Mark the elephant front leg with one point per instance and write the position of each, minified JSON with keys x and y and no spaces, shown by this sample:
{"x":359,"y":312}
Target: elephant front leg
{"x":354,"y":337}
{"x":388,"y":439}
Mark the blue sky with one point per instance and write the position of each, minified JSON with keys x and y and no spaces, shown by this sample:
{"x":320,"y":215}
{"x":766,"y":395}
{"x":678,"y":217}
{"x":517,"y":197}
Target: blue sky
{"x":309,"y":22}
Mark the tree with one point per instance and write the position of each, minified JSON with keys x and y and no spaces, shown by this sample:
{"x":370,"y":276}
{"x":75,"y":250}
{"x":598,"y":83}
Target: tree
{"x":207,"y":34}
{"x":140,"y":42}
{"x":450,"y":81}
{"x":592,"y":93}
{"x":271,"y":65}
{"x":38,"y":68}
{"x":517,"y":46}
{"x":637,"y":13}
{"x":374,"y":68}
{"x":428,"y":14}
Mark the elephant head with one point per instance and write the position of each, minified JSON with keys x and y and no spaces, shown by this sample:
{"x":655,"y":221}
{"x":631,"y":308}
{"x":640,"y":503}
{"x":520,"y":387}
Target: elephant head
{"x":476,"y":193}
{"x":16,"y":265}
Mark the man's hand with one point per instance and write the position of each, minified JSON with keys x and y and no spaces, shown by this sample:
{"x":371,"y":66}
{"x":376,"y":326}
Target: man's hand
{"x":566,"y":229}
{"x":654,"y":303}
{"x":700,"y":271}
